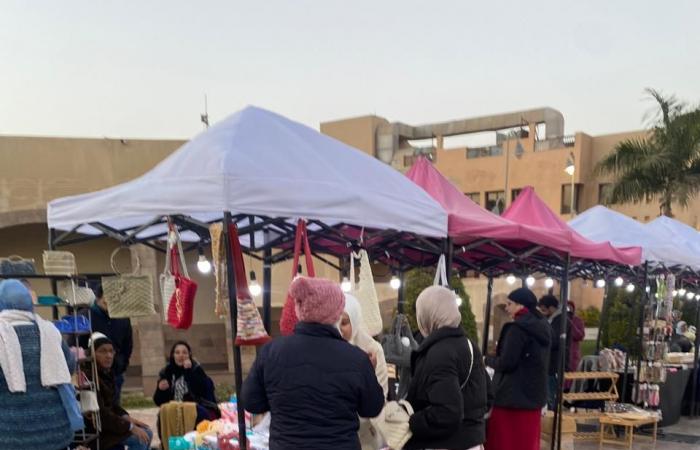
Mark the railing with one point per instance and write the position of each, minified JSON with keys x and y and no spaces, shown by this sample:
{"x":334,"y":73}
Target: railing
{"x":555,"y":143}
{"x":484,"y":152}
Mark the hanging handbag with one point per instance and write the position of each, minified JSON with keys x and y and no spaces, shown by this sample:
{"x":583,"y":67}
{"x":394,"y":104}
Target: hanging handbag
{"x":289,"y":316}
{"x":16,"y":265}
{"x":399,"y":343}
{"x":88,"y":401}
{"x":366,"y":293}
{"x":441,"y":273}
{"x":59,"y":263}
{"x":250,"y":329}
{"x":181,"y":307}
{"x":128,"y":295}
{"x":75,"y":295}
{"x":218,"y":256}
{"x":167,"y":279}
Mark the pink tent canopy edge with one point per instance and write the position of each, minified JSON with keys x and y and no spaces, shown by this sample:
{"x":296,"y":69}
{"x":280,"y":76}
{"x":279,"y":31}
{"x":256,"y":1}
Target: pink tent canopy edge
{"x":468,"y":221}
{"x":529,"y":209}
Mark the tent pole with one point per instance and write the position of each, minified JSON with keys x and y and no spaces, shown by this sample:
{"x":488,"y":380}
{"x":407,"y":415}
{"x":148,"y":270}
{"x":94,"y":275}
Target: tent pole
{"x":233,"y":311}
{"x":643,"y":299}
{"x":449,"y":257}
{"x":267,"y":290}
{"x":562,"y":356}
{"x":603,"y":318}
{"x":402,"y":292}
{"x":487,"y":316}
{"x":695,"y":360}
{"x":54,"y":285}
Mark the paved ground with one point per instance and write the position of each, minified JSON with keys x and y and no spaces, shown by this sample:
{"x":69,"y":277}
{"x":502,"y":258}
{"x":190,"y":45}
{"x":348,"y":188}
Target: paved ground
{"x":683,"y":436}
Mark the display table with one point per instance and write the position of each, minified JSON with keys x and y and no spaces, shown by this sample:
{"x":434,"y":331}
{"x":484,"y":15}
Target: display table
{"x":608,"y":422}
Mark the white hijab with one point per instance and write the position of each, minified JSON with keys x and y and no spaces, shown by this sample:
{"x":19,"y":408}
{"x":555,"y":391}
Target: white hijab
{"x":360,"y":338}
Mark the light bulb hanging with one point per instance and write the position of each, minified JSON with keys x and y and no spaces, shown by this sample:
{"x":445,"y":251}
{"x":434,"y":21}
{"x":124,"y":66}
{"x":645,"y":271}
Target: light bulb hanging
{"x":619,"y":281}
{"x":510,"y":279}
{"x":203,"y":264}
{"x":600,"y":283}
{"x":630,"y":288}
{"x":681,"y":292}
{"x":254,"y":287}
{"x":548,"y":283}
{"x":530,"y":281}
{"x":345,"y":285}
{"x":689,"y":295}
{"x":395,"y":282}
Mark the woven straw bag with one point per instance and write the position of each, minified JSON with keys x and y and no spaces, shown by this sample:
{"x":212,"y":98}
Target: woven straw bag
{"x":366,"y":293}
{"x":59,"y":263}
{"x":75,"y":295}
{"x":218,"y":253}
{"x":128,"y":295}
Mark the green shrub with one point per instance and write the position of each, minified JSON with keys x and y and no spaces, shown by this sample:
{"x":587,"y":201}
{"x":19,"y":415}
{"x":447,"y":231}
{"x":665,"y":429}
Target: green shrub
{"x":419,"y":279}
{"x":621,"y":320}
{"x":590,"y":316}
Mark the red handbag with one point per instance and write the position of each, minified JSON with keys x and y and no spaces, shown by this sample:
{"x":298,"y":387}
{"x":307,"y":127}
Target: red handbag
{"x":181,"y":306}
{"x":249,"y":325}
{"x":289,"y":316}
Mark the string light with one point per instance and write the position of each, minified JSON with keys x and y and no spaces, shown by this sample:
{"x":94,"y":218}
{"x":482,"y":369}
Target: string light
{"x":681,"y":292}
{"x":345,"y":285}
{"x":619,"y":281}
{"x":690,"y":295}
{"x":600,"y":283}
{"x":630,"y":288}
{"x":510,"y":279}
{"x":395,"y":283}
{"x":548,"y":283}
{"x":530,"y":281}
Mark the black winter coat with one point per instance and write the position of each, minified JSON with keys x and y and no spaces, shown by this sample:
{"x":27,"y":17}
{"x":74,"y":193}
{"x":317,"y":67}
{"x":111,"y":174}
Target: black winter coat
{"x":556,"y":326}
{"x":315,"y":385}
{"x":521,"y":361}
{"x":118,"y":331}
{"x":445,"y":415}
{"x":200,"y":386}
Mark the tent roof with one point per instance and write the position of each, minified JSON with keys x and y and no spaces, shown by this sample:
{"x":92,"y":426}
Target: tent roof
{"x":260,"y":163}
{"x":602,"y":224}
{"x":681,"y":232}
{"x":468,"y":221}
{"x":528,"y":208}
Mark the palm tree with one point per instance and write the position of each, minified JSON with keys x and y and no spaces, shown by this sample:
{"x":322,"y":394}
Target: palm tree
{"x":666,"y":163}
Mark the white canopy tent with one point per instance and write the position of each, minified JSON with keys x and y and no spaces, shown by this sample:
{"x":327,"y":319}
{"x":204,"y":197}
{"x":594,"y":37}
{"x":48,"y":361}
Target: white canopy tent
{"x":259,"y":163}
{"x":601,"y":224}
{"x":682,"y":233}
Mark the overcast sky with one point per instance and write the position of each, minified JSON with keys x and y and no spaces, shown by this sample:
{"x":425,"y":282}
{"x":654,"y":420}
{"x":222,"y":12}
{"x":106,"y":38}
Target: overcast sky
{"x":141,"y":68}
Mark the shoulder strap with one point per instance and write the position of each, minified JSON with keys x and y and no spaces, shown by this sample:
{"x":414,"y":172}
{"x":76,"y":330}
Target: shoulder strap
{"x":471,"y":363}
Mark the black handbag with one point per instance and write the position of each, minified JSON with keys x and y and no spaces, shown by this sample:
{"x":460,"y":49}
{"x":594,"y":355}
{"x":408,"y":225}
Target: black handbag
{"x":16,"y":265}
{"x":395,"y":350}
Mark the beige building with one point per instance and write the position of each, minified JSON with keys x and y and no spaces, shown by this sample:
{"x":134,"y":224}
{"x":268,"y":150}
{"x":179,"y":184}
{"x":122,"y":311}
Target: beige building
{"x":492,"y":158}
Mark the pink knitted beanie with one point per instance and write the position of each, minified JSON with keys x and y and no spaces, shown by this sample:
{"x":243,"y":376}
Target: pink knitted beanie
{"x":317,"y":300}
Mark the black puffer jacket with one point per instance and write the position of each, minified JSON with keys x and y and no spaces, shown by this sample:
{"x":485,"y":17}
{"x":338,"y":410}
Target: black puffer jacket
{"x":521,"y":361}
{"x":315,"y":385}
{"x":445,"y":415}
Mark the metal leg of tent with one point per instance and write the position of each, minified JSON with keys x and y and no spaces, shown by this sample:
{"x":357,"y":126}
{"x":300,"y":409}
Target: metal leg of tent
{"x":449,"y":258}
{"x":267,"y":290}
{"x":694,"y":391}
{"x":562,"y":356}
{"x":487,"y":317}
{"x":603,"y":318}
{"x":233,"y":311}
{"x":402,"y":291}
{"x":644,"y":298}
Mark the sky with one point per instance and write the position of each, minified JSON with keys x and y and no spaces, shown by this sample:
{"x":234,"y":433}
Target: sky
{"x":140,"y":69}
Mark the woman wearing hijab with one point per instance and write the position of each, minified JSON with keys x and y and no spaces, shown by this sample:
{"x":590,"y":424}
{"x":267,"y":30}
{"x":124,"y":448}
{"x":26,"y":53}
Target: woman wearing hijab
{"x":520,"y":381}
{"x":313,"y":383}
{"x":34,"y":362}
{"x":184,"y":380}
{"x":352,"y":330}
{"x":449,"y":385}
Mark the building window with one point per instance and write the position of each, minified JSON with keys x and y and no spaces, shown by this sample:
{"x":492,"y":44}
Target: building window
{"x":496,"y":201}
{"x":566,"y":198}
{"x":604,"y":193}
{"x":474,"y":196}
{"x":514,"y":194}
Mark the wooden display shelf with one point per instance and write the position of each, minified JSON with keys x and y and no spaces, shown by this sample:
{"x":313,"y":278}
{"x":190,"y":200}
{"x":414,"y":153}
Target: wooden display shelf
{"x":609,"y":422}
{"x":590,"y":375}
{"x":588,"y":414}
{"x":606,"y":396}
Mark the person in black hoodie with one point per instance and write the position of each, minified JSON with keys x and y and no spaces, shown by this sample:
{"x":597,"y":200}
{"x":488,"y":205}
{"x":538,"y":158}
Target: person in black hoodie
{"x":184,"y":380}
{"x":549,"y":307}
{"x":313,"y":383}
{"x":449,"y":384}
{"x":520,"y":380}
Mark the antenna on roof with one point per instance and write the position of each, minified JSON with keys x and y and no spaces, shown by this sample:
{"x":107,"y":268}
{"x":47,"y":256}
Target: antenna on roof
{"x":205,"y":117}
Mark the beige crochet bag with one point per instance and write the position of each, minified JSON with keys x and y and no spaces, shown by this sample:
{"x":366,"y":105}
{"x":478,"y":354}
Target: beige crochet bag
{"x":366,"y":293}
{"x":393,"y":423}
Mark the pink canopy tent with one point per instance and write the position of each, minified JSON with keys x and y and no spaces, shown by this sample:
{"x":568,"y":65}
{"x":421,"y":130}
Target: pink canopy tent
{"x":467,"y":221}
{"x":529,"y":209}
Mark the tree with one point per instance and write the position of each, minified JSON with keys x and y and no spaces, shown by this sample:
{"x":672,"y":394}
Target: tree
{"x":665,"y":164}
{"x":419,"y":279}
{"x":620,"y":322}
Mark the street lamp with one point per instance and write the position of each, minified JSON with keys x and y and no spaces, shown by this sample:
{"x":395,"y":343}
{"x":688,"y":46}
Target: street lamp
{"x":570,"y":169}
